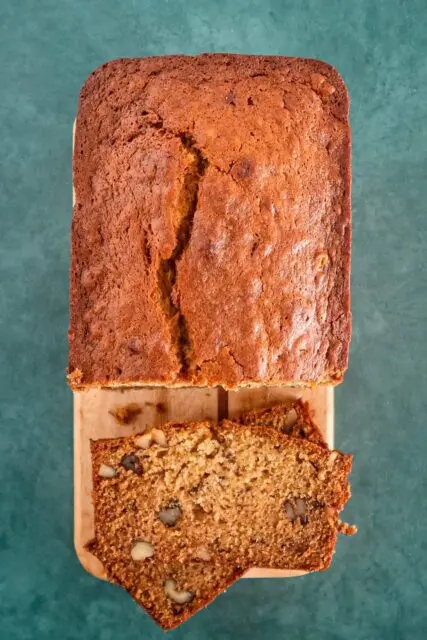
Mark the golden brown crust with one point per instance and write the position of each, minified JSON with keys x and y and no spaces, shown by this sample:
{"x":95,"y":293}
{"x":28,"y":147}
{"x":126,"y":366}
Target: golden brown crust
{"x":211,"y":226}
{"x":248,"y":495}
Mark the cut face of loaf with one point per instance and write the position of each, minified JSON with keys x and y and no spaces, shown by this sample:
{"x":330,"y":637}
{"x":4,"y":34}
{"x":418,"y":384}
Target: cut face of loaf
{"x":292,"y":418}
{"x":176,"y":524}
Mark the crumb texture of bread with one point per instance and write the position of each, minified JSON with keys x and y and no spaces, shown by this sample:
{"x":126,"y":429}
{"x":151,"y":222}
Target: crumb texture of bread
{"x":211,"y":225}
{"x":293,"y":418}
{"x":179,"y":517}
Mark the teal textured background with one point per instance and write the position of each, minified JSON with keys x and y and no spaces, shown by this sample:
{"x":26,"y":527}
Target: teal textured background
{"x":377,"y":585}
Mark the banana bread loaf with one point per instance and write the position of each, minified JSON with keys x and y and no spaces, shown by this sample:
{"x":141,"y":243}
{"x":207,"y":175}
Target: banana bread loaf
{"x":211,"y":225}
{"x":182,"y":512}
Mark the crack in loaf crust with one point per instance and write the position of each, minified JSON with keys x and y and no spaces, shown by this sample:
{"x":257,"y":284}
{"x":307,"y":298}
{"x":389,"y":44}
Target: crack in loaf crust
{"x":211,"y":226}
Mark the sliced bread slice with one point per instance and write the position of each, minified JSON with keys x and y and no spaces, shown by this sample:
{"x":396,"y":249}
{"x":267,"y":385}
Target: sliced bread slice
{"x":182,"y":512}
{"x":293,"y":418}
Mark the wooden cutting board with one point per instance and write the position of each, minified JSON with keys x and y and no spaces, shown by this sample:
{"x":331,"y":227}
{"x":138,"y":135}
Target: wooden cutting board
{"x":94,"y":418}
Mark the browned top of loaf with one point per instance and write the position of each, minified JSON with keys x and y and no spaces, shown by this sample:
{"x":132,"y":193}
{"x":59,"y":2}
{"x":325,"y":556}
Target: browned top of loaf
{"x":211,"y":226}
{"x":247,"y":496}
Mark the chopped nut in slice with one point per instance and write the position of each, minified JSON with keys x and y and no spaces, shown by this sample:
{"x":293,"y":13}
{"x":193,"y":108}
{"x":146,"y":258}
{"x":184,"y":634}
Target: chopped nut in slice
{"x":291,"y":418}
{"x":170,"y":514}
{"x":132,"y":463}
{"x":180,"y":597}
{"x":142,"y":550}
{"x":105,"y":471}
{"x":144,"y":441}
{"x":159,"y":437}
{"x":296,"y":510}
{"x":300,"y":510}
{"x":289,"y":510}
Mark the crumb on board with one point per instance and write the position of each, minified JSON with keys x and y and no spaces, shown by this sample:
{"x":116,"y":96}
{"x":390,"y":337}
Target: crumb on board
{"x":160,"y":406}
{"x":127,"y":414}
{"x":346,"y":529}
